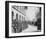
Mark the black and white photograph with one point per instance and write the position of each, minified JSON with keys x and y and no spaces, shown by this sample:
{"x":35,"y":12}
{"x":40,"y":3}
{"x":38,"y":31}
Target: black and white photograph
{"x":25,"y":19}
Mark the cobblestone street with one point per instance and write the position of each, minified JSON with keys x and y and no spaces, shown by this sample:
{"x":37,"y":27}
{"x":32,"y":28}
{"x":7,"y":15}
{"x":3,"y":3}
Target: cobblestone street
{"x":30,"y":29}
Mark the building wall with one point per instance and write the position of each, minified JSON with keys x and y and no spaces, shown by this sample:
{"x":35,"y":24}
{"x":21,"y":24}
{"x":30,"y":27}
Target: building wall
{"x":17,"y":12}
{"x":20,"y":22}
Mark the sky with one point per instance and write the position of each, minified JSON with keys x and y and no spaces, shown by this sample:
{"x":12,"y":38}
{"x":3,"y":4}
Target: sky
{"x":31,"y":13}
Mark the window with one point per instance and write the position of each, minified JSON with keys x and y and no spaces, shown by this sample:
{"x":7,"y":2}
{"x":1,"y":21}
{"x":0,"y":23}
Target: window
{"x":16,"y":16}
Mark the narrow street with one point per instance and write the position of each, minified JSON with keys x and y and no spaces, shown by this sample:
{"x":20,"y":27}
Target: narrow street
{"x":30,"y":28}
